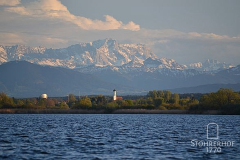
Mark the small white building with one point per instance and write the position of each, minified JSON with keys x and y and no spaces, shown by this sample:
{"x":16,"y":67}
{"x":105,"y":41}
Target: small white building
{"x":44,"y":96}
{"x":115,"y":98}
{"x":114,"y":95}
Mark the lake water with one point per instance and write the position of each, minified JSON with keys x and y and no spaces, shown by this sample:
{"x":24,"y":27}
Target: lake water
{"x":113,"y":136}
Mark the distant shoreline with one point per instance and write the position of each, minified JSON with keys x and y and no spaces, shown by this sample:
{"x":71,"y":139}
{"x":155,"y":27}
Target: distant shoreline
{"x":118,"y":111}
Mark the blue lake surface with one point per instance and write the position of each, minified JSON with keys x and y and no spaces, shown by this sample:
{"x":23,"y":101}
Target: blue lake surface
{"x":115,"y":136}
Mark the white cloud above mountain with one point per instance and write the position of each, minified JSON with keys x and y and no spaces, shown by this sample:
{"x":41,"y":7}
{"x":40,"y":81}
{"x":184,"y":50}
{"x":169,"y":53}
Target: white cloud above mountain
{"x":9,"y":2}
{"x":54,"y":9}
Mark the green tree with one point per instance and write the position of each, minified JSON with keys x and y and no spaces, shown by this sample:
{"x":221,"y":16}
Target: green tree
{"x":112,"y":105}
{"x":101,"y":100}
{"x":6,"y":101}
{"x":152,"y":94}
{"x":64,"y":105}
{"x":42,"y":103}
{"x":168,"y":96}
{"x":31,"y":103}
{"x":227,"y":96}
{"x":150,"y":101}
{"x":158,"y":102}
{"x":85,"y":103}
{"x":72,"y":98}
{"x":176,"y":98}
{"x":160,"y":94}
{"x":129,"y":102}
{"x":219,"y":99}
{"x":50,"y":103}
{"x":20,"y":103}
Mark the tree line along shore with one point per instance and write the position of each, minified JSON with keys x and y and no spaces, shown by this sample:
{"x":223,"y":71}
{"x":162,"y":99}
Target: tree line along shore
{"x":224,"y":101}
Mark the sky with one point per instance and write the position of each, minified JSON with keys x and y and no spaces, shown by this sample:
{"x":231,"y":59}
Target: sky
{"x":187,"y":31}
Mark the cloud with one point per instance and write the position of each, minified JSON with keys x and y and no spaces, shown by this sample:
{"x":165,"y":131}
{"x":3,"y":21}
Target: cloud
{"x":49,"y":23}
{"x":10,"y":2}
{"x":191,"y":47}
{"x":19,"y":10}
{"x":54,"y":9}
{"x":11,"y":39}
{"x":185,"y":48}
{"x":52,"y":42}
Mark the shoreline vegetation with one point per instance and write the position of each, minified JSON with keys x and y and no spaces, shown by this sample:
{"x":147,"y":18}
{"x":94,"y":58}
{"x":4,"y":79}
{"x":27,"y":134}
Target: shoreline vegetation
{"x":118,"y":111}
{"x":222,"y":102}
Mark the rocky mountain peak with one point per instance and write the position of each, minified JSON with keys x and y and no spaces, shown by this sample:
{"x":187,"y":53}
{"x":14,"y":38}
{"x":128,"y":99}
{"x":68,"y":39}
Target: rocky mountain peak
{"x":210,"y":65}
{"x":108,"y":42}
{"x":99,"y":54}
{"x":107,"y":52}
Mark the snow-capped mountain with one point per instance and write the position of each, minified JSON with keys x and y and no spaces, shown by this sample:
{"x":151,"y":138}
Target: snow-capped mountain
{"x":155,"y":64}
{"x":129,"y":67}
{"x":96,"y":56}
{"x":210,"y":65}
{"x":99,"y":53}
{"x":103,"y":55}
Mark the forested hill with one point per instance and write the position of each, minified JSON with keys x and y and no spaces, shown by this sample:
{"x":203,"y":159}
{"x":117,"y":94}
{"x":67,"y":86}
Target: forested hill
{"x":24,"y":79}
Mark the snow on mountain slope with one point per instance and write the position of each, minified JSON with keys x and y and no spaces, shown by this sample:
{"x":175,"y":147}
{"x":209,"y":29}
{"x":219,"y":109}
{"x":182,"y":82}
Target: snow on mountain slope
{"x":151,"y":65}
{"x":102,"y":55}
{"x":210,"y":65}
{"x":3,"y":55}
{"x":130,"y":65}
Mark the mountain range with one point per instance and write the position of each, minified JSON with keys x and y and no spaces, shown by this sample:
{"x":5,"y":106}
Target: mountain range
{"x":100,"y":66}
{"x":101,"y":54}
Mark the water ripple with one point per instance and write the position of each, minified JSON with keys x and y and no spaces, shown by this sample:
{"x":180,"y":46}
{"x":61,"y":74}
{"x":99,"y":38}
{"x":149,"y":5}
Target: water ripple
{"x":113,"y":136}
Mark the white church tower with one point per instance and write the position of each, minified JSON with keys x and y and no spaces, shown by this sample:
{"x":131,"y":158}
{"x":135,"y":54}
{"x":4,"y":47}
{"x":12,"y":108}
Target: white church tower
{"x":114,"y":95}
